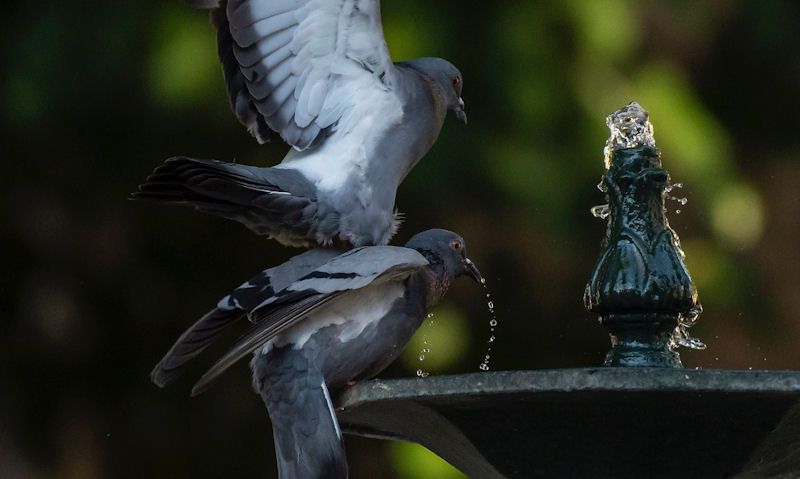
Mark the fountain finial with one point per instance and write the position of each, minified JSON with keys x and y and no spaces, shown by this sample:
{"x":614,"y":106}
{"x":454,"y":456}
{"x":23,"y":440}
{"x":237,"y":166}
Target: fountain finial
{"x":640,"y":287}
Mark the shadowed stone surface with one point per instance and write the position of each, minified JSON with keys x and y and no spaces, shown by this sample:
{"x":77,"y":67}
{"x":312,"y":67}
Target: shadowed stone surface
{"x":592,"y":423}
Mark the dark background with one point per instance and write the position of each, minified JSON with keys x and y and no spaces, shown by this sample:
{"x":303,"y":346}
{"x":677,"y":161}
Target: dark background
{"x":95,"y":288}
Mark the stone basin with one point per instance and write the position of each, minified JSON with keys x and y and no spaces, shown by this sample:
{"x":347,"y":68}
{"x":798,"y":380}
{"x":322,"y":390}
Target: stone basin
{"x":591,"y":422}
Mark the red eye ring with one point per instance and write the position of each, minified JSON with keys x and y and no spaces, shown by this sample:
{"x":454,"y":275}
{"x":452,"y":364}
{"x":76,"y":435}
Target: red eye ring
{"x":456,"y":245}
{"x":456,"y":81}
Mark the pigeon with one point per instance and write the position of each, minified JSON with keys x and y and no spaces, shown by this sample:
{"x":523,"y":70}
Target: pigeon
{"x":318,"y":73}
{"x":323,"y":320}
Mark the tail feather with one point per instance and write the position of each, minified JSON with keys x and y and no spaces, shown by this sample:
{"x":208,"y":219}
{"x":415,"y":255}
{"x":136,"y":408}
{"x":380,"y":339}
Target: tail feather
{"x":308,"y":441}
{"x":247,"y":194}
{"x":191,"y":343}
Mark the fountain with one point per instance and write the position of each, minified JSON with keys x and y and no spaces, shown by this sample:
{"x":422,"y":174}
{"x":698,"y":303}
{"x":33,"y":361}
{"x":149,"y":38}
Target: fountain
{"x":642,"y":414}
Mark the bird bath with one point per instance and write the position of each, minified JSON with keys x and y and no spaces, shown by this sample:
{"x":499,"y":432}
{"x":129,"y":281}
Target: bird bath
{"x":642,"y":415}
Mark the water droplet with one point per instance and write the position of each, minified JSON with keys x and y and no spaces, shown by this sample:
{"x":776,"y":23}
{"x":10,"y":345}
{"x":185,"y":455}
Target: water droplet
{"x":602,"y":186}
{"x":673,"y":186}
{"x":426,"y":348}
{"x":600,"y":211}
{"x":683,"y":201}
{"x":484,"y":366}
{"x":680,"y":336}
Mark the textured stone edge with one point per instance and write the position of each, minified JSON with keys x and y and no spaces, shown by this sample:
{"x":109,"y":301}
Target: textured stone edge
{"x":608,"y":380}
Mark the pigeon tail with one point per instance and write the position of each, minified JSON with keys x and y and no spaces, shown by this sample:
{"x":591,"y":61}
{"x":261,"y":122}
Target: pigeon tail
{"x":308,"y":441}
{"x":256,"y":197}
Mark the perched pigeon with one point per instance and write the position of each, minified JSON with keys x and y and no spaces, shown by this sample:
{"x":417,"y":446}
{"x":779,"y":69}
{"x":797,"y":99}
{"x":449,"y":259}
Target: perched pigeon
{"x":319,"y":74}
{"x":321,"y":321}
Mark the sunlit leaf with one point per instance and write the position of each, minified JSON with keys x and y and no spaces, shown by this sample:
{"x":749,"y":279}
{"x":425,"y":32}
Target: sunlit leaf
{"x":412,"y":461}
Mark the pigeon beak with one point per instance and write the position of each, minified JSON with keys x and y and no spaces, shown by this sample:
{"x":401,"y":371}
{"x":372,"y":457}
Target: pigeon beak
{"x":472,"y":271}
{"x":460,"y":114}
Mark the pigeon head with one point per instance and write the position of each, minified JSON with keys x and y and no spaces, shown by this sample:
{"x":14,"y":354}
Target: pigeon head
{"x":447,"y":78}
{"x":447,"y":249}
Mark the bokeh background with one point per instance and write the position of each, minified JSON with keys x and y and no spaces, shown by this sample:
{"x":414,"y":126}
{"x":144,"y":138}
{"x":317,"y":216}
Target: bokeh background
{"x":95,"y":288}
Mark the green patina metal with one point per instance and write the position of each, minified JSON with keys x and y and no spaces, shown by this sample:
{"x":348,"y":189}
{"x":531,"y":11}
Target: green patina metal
{"x":652,"y":421}
{"x":640,"y":287}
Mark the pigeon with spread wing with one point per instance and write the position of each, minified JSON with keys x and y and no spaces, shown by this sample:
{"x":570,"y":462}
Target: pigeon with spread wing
{"x":318,"y":73}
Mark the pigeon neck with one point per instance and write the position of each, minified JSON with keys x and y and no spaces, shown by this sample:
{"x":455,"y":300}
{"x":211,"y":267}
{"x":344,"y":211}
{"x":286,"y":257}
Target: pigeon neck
{"x":435,"y":277}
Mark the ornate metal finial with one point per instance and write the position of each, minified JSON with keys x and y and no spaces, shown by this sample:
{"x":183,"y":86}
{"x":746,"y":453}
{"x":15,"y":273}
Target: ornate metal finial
{"x":640,"y":287}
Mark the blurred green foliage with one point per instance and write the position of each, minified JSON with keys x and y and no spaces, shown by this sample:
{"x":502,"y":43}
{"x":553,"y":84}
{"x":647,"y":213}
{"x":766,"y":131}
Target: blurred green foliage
{"x":96,"y":288}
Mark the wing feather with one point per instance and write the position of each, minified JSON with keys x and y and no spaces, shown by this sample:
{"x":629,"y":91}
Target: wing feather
{"x":231,"y":309}
{"x":338,"y":277}
{"x":298,"y":59}
{"x":259,"y":334}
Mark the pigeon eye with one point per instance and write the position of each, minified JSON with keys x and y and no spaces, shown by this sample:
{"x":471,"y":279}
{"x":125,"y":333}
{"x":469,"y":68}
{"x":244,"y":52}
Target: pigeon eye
{"x":456,"y":81}
{"x":456,"y":245}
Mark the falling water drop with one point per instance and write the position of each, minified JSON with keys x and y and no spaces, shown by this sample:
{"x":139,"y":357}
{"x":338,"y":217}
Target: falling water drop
{"x":484,"y":365}
{"x":673,"y":186}
{"x":426,"y":348}
{"x":681,"y":336}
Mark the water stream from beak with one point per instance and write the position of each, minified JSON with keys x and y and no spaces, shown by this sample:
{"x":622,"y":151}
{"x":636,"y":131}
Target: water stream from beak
{"x":484,"y":366}
{"x":426,"y":348}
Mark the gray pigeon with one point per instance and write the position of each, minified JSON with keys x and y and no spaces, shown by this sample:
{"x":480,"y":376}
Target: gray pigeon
{"x":322,"y":320}
{"x":318,"y":73}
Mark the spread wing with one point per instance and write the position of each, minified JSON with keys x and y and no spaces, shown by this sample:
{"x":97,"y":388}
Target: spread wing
{"x":295,"y":66}
{"x":343,"y":275}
